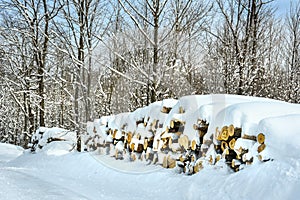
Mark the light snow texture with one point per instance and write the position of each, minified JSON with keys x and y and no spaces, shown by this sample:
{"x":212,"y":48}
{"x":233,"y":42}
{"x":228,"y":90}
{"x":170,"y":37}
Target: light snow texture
{"x":40,"y":176}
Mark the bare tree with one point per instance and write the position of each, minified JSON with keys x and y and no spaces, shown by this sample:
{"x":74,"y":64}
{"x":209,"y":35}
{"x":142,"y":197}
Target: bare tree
{"x":293,"y":40}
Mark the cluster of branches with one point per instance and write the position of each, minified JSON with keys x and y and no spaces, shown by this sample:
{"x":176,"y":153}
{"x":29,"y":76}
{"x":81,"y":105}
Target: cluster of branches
{"x":65,"y":62}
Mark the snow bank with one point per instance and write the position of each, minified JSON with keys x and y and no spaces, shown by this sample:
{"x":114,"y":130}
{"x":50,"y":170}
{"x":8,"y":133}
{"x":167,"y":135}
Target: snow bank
{"x":248,"y":115}
{"x":49,"y":177}
{"x":282,"y":136}
{"x":54,"y":141}
{"x":9,"y":152}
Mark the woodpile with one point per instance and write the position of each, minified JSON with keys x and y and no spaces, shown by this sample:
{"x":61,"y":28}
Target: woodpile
{"x":239,"y":150}
{"x":171,"y":148}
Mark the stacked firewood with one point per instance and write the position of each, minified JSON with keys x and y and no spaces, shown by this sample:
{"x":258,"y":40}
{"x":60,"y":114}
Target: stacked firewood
{"x":175,"y":149}
{"x":227,"y":138}
{"x":188,"y":162}
{"x":239,"y":150}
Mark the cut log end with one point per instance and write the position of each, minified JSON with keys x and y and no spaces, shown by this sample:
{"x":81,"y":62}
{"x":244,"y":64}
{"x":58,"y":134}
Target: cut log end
{"x":232,"y":143}
{"x":224,"y":146}
{"x":231,"y":130}
{"x":261,"y":148}
{"x":224,"y":133}
{"x":145,"y":144}
{"x":261,"y":138}
{"x":181,"y":110}
{"x":193,"y":145}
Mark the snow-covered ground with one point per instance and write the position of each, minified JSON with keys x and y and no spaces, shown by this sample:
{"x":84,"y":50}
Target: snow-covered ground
{"x":91,"y":176}
{"x":55,"y":171}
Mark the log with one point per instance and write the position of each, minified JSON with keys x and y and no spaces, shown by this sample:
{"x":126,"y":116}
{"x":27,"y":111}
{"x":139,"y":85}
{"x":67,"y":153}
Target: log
{"x":132,"y":147}
{"x":182,"y":159}
{"x":247,"y":157}
{"x":231,"y":130}
{"x":230,"y":155}
{"x":154,"y":124}
{"x":140,"y":148}
{"x":232,"y":143}
{"x":224,"y":133}
{"x":170,"y":142}
{"x":260,"y":138}
{"x":166,"y":109}
{"x":145,"y":143}
{"x":54,"y":139}
{"x":198,"y":166}
{"x":264,"y":158}
{"x":235,"y":163}
{"x":237,"y":132}
{"x":150,"y":142}
{"x":224,"y":146}
{"x":249,"y":137}
{"x":133,"y":157}
{"x":193,"y":158}
{"x":194,"y":145}
{"x":181,"y":110}
{"x":129,"y":137}
{"x":171,"y":124}
{"x":139,"y":122}
{"x":165,"y":162}
{"x":218,"y":134}
{"x":157,"y":145}
{"x":184,"y":142}
{"x":261,"y":148}
{"x":211,"y":160}
{"x":195,"y":126}
{"x":171,"y":162}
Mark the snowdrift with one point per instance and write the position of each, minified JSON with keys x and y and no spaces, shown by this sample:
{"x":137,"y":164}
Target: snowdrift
{"x":53,"y":141}
{"x":9,"y":152}
{"x":197,"y":131}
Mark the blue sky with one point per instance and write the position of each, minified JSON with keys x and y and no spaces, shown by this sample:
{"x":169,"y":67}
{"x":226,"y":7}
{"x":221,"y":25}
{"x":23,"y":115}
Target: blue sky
{"x":283,"y":6}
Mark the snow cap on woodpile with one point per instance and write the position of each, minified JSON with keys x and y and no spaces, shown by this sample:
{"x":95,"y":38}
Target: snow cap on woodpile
{"x":282,"y":135}
{"x":154,"y":112}
{"x":190,"y":106}
{"x":168,"y":103}
{"x":100,"y":125}
{"x":248,"y":115}
{"x":118,"y":121}
{"x":62,"y":140}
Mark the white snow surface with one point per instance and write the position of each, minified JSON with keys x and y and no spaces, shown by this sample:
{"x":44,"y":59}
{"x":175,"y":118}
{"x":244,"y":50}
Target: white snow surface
{"x":41,"y":176}
{"x":9,"y":152}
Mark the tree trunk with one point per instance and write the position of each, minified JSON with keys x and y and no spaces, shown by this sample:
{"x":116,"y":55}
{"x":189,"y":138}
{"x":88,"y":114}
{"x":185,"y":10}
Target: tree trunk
{"x":155,"y":54}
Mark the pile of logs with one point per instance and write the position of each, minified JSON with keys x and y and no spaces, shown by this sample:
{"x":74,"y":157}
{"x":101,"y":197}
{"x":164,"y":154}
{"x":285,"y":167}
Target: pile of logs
{"x":189,"y":156}
{"x":239,"y":150}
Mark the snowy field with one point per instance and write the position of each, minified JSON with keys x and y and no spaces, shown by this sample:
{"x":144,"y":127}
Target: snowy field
{"x":55,"y":171}
{"x":85,"y":176}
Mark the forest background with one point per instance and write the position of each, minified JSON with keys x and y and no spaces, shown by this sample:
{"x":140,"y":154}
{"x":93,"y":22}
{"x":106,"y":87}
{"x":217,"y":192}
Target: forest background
{"x":66,"y":62}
